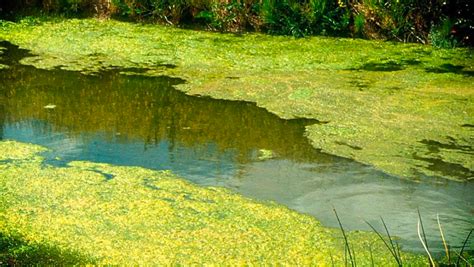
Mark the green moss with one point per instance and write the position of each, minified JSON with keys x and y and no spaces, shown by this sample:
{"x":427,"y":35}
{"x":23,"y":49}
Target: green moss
{"x":130,"y":215}
{"x":383,"y":98}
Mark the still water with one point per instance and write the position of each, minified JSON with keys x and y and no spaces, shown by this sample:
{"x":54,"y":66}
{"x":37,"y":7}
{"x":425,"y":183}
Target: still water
{"x":134,"y":120}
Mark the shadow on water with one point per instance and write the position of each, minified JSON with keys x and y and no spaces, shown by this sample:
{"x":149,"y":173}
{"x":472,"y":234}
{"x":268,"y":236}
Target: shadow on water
{"x":446,"y":168}
{"x":143,"y":121}
{"x":435,"y":146}
{"x":450,"y":68}
{"x":436,"y":164}
{"x":388,"y":65}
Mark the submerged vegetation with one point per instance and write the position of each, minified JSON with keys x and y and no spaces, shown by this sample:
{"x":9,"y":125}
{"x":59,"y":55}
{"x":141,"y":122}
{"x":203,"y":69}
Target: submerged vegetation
{"x":97,"y":213}
{"x":421,"y":98}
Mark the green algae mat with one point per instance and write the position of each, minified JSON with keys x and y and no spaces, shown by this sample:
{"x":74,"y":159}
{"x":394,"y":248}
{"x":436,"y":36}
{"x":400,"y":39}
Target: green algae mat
{"x":102,"y":214}
{"x":406,"y":109}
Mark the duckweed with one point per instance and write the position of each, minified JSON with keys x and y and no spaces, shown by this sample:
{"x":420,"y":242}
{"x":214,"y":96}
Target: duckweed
{"x":380,"y":97}
{"x":141,"y":216}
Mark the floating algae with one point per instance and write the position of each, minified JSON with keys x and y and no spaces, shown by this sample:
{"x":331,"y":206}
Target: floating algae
{"x":140,"y":216}
{"x":382,"y":98}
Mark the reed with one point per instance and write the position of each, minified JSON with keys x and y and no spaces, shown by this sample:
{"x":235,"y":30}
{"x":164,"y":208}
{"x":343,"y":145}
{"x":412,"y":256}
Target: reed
{"x":394,"y":250}
{"x":448,"y":255}
{"x":462,"y":248}
{"x":347,"y":247}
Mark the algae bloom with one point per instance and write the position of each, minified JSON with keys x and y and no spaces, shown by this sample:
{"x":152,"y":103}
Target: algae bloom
{"x":97,"y":213}
{"x":402,"y":108}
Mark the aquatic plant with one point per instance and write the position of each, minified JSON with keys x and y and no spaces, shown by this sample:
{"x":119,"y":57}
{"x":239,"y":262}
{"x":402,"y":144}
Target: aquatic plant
{"x":347,"y":247}
{"x":141,"y":216}
{"x":391,"y":245}
{"x":401,"y":108}
{"x":394,"y":247}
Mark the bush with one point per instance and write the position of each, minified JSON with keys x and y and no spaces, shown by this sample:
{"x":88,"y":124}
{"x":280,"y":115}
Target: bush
{"x":445,"y":23}
{"x":441,"y":35}
{"x":301,"y":18}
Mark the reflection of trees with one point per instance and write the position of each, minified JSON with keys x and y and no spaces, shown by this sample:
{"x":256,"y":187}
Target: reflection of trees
{"x":149,"y":109}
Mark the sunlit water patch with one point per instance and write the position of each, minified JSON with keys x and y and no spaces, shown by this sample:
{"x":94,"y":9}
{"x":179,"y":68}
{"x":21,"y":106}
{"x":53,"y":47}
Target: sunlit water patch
{"x":132,"y":120}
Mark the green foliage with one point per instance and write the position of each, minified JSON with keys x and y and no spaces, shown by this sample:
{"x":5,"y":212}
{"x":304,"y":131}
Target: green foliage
{"x":301,"y":18}
{"x":404,"y":20}
{"x":441,"y":35}
{"x":169,"y":11}
{"x":359,"y":22}
{"x":416,"y":21}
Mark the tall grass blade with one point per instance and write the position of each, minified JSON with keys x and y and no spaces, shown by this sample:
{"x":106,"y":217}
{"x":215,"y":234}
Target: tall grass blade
{"x":462,"y":258}
{"x":463,"y":246}
{"x":399,"y":253}
{"x":354,"y":255}
{"x":345,"y":255}
{"x":423,"y":229}
{"x":386,"y":244}
{"x":424,"y":245}
{"x":345,"y":237}
{"x":396,"y":251}
{"x":444,"y":240}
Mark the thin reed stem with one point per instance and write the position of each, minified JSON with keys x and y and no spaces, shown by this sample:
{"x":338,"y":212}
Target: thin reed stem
{"x":444,"y":240}
{"x":463,"y":246}
{"x":462,"y":258}
{"x":423,"y":229}
{"x":397,"y":252}
{"x":424,"y":245}
{"x":395,"y":256}
{"x":345,"y":237}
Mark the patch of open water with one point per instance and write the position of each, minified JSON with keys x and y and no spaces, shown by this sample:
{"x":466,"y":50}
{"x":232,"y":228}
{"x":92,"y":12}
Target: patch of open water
{"x":134,"y":120}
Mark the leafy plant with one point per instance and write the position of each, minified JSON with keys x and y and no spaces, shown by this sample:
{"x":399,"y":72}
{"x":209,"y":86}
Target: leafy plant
{"x":441,"y":35}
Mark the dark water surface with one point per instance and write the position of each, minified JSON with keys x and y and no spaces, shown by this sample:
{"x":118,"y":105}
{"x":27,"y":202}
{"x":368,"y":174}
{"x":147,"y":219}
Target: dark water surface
{"x":134,"y":120}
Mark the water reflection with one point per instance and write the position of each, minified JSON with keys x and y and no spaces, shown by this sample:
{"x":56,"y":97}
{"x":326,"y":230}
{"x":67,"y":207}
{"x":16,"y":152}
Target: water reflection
{"x":123,"y":108}
{"x":132,"y":120}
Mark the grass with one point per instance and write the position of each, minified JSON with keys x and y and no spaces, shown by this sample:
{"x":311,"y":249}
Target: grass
{"x":394,"y":247}
{"x":347,"y":247}
{"x":398,"y":107}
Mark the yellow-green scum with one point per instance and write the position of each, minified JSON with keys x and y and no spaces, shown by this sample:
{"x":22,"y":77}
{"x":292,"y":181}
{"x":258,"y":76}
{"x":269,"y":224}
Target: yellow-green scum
{"x":135,"y":216}
{"x":406,"y":109}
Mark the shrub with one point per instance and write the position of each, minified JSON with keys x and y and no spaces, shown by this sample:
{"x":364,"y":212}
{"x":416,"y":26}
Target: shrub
{"x":445,"y":23}
{"x":301,"y":18}
{"x":442,"y":34}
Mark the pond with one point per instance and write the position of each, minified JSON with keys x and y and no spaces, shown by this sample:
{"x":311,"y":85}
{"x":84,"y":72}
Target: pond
{"x":122,"y":118}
